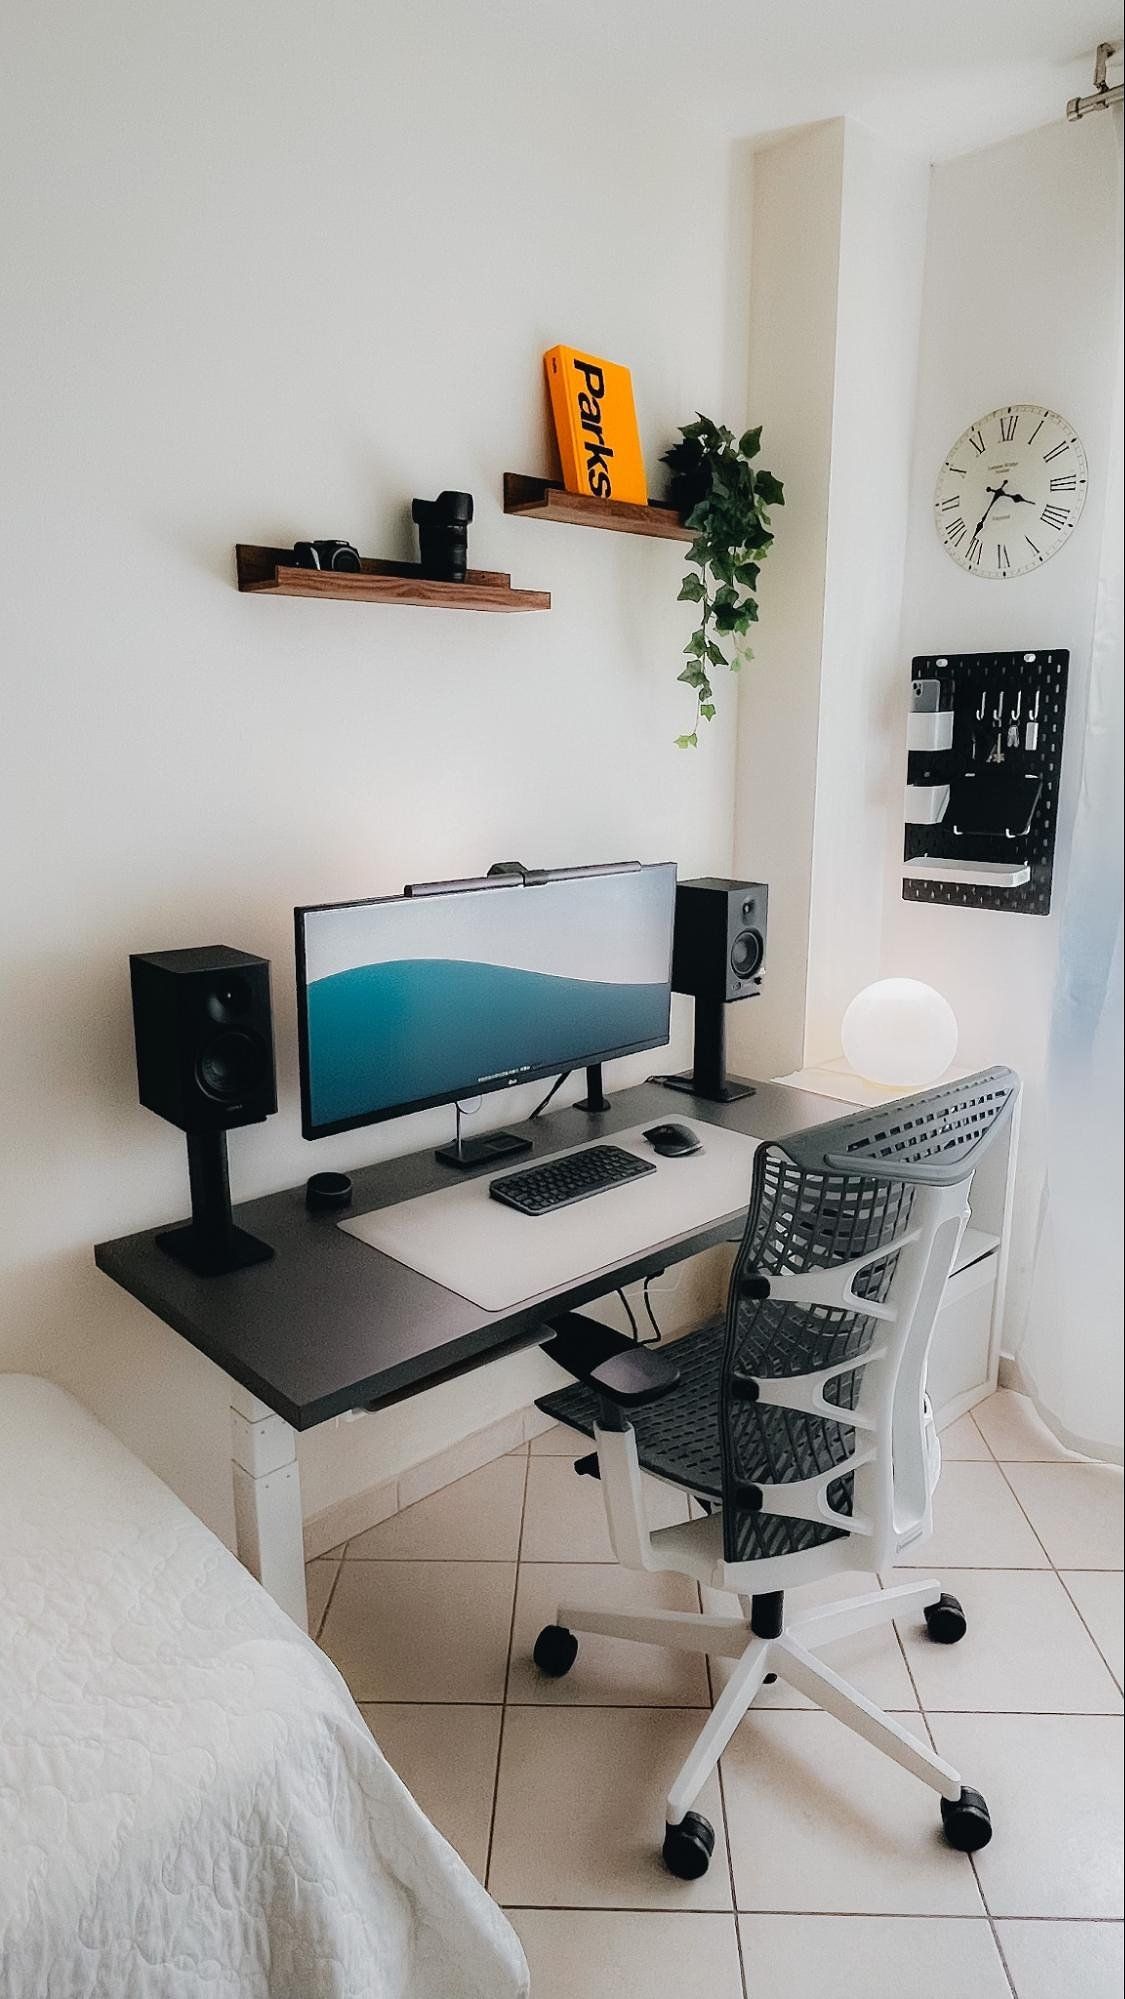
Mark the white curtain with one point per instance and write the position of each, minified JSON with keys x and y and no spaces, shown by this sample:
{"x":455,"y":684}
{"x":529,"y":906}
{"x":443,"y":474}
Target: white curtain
{"x":1070,"y":1357}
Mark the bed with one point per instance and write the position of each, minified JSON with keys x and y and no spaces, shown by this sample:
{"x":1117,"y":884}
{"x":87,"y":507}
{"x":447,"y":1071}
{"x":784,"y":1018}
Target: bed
{"x":191,"y":1806}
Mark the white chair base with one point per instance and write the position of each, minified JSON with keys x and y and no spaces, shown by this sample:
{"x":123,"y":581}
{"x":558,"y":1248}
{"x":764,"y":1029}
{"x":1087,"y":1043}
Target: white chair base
{"x":792,"y":1657}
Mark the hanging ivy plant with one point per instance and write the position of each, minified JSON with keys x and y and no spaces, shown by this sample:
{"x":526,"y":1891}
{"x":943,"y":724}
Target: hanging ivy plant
{"x":725,"y":501}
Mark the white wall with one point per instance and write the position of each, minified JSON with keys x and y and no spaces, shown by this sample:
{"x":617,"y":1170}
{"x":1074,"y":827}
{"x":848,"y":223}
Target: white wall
{"x":272,"y":272}
{"x":1019,"y":307}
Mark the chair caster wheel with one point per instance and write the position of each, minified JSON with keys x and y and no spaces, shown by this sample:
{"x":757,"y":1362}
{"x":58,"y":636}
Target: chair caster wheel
{"x":555,"y":1651}
{"x":945,"y":1620}
{"x":688,"y":1847}
{"x":966,"y":1821}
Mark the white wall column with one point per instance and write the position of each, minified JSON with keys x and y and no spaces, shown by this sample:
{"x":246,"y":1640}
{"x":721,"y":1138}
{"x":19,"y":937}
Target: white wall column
{"x":838,"y":241}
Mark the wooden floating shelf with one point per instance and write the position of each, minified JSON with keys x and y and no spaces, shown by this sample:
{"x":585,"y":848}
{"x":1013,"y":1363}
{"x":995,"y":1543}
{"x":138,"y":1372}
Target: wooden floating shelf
{"x":546,"y":500}
{"x":273,"y":571}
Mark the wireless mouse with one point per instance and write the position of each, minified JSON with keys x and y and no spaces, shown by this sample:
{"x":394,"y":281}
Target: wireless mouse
{"x":672,"y":1141}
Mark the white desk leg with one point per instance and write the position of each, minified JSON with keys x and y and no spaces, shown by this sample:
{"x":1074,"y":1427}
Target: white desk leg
{"x":267,"y":1502}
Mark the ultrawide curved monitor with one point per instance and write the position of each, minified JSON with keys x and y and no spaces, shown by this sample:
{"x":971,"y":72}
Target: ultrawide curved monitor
{"x":424,"y":998}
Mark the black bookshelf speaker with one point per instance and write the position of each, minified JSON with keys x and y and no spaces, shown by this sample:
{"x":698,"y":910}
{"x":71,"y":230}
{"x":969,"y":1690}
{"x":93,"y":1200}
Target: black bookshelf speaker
{"x":204,"y":1036}
{"x":204,"y":1040}
{"x":718,"y":955}
{"x":720,"y":939}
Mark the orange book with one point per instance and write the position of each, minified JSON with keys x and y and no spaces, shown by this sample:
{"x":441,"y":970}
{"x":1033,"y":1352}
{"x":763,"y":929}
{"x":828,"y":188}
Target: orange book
{"x":596,"y":426}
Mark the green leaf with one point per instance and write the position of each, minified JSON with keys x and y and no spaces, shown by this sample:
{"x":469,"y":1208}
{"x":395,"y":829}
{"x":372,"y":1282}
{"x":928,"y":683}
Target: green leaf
{"x":750,"y":443}
{"x":747,"y":573}
{"x":693,"y":675}
{"x":695,"y":645}
{"x":707,"y":710}
{"x":770,"y":491}
{"x":715,"y":654}
{"x":687,"y":742}
{"x":691,"y":590}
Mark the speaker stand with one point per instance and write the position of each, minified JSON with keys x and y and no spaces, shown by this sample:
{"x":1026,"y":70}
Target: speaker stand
{"x":708,"y":1077}
{"x":595,"y":1098}
{"x":210,"y":1244}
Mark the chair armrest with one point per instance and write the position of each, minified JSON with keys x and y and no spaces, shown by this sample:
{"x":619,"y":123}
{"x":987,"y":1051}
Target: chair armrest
{"x":634,"y":1377}
{"x":580,"y":1345}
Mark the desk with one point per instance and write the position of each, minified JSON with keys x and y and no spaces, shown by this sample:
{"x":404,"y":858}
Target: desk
{"x":331,"y":1324}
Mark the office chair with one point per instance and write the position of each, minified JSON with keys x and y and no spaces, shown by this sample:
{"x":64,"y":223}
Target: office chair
{"x":801,"y":1425}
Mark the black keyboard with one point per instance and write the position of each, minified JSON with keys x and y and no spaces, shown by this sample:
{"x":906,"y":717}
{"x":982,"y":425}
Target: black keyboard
{"x":558,"y":1182}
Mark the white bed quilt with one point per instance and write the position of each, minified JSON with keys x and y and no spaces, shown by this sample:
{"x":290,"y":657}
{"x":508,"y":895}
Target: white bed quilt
{"x":191,"y":1806}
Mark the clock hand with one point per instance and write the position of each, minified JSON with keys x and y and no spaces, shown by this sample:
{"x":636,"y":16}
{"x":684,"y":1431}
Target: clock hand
{"x":996,"y":492}
{"x":1020,"y":497}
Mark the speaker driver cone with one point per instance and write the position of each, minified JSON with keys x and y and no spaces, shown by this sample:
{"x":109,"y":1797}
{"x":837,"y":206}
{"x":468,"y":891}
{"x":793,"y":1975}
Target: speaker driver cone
{"x":231,"y":1065}
{"x":746,"y":953}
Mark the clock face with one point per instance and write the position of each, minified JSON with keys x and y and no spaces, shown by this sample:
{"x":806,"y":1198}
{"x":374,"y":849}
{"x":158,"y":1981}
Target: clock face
{"x":1011,"y":491}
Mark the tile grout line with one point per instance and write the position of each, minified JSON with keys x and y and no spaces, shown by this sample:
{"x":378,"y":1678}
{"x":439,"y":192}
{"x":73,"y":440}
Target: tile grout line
{"x":507,"y":1674}
{"x":812,"y":1915}
{"x":985,"y":1910}
{"x":726,"y":1822}
{"x":1081,"y":1619}
{"x":323,"y":1618}
{"x":1052,"y":1569}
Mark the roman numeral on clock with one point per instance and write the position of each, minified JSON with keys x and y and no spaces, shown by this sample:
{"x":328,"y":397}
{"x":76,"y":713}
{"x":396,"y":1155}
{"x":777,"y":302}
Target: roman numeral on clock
{"x":1056,"y":451}
{"x":1002,"y":556}
{"x":1055,"y":517}
{"x":977,"y":442}
{"x":956,"y":532}
{"x":1066,"y":483}
{"x":1008,"y":426}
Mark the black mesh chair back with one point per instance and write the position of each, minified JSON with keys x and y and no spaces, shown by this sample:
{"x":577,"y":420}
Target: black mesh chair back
{"x":850,"y":1237}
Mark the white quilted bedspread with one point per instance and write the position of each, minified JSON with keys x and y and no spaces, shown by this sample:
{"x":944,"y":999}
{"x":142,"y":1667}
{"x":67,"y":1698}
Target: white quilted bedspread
{"x":191,"y":1806}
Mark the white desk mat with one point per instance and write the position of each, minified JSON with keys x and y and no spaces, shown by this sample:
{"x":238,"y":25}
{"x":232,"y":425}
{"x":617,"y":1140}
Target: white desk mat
{"x":495,"y":1257}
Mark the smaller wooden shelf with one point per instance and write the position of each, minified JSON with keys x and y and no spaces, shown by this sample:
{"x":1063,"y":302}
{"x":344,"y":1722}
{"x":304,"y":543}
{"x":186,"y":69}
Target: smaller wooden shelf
{"x":546,"y":500}
{"x":273,"y":571}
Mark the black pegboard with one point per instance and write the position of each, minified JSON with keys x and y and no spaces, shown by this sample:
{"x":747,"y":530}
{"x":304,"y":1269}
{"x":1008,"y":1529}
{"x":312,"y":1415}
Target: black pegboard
{"x":977,"y":686}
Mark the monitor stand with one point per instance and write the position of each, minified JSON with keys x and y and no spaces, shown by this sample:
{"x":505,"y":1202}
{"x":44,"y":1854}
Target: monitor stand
{"x":595,"y":1098}
{"x":491,"y":1145}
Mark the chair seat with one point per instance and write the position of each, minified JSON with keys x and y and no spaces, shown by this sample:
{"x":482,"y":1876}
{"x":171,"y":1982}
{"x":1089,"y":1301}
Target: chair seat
{"x":678,"y":1439}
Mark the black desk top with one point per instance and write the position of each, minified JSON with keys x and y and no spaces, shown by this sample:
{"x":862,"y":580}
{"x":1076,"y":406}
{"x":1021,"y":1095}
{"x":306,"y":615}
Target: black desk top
{"x":331,"y":1324}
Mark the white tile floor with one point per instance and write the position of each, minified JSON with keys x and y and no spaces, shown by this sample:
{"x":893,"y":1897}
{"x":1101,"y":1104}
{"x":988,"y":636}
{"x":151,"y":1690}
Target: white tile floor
{"x":829,"y":1880}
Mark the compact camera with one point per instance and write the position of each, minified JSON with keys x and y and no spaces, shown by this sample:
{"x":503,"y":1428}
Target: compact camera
{"x":326,"y":555}
{"x":443,"y":535}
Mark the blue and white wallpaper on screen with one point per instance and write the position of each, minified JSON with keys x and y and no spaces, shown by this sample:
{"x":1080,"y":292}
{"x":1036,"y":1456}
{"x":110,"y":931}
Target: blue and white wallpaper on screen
{"x":429,"y":996}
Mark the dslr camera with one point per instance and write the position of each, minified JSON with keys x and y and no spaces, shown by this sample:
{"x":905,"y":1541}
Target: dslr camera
{"x":326,"y":555}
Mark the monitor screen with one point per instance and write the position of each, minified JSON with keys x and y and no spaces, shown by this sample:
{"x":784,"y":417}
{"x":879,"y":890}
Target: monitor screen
{"x":421,"y":999}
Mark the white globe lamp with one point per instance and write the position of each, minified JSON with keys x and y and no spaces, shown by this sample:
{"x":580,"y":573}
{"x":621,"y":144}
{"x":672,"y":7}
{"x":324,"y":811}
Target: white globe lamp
{"x":900,"y":1032}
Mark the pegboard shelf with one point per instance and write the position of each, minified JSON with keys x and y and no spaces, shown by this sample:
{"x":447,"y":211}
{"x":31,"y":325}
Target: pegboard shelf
{"x":991,"y":844}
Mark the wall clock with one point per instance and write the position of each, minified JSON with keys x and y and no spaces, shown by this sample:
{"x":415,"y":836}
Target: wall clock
{"x":1011,"y":491}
